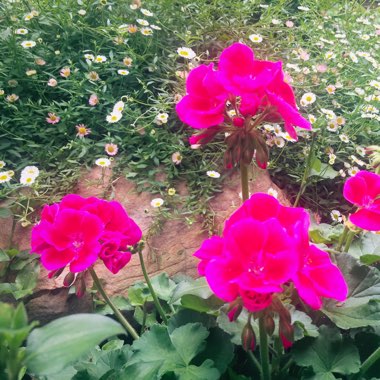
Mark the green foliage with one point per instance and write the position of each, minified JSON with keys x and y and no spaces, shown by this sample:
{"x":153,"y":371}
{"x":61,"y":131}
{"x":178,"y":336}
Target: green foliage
{"x":329,"y":353}
{"x":366,"y":248}
{"x":325,"y":233}
{"x":14,"y":329}
{"x":159,"y":352}
{"x":51,"y":348}
{"x":362,"y":307}
{"x":196,"y":295}
{"x":23,"y":267}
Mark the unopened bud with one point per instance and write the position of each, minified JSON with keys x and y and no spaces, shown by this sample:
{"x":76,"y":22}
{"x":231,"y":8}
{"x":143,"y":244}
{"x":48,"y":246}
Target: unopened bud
{"x":286,"y":330}
{"x":69,"y":279}
{"x":56,"y":273}
{"x":238,"y":122}
{"x":248,"y":338}
{"x":269,"y":324}
{"x":234,"y":313}
{"x":80,"y":287}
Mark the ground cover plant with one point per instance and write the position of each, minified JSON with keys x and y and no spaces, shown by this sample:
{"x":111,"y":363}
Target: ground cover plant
{"x":194,"y":90}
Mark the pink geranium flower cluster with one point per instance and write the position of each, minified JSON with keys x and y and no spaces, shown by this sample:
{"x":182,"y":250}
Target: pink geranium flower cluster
{"x":254,"y":90}
{"x":77,"y":231}
{"x":264,"y":247}
{"x":363,"y":190}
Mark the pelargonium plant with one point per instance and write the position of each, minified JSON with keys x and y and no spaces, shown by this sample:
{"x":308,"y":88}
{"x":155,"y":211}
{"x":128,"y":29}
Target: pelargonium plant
{"x":236,"y":99}
{"x":363,"y":190}
{"x":78,"y":231}
{"x":265,"y":250}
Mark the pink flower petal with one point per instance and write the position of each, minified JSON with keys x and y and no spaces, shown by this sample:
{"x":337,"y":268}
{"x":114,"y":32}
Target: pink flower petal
{"x":366,"y":219}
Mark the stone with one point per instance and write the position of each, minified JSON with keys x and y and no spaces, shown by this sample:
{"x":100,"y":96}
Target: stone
{"x":169,"y":247}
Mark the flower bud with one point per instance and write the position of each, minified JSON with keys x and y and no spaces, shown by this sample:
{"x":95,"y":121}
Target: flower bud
{"x":234,"y":312}
{"x":248,"y":338}
{"x":56,"y":273}
{"x":69,"y":279}
{"x":238,"y":122}
{"x":286,"y":330}
{"x":80,"y":287}
{"x":269,"y":324}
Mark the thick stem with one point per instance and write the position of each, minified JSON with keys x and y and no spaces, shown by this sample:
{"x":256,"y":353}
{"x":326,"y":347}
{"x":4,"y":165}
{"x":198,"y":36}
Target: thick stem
{"x":350,"y":237}
{"x":370,"y":361}
{"x":264,"y":351}
{"x":342,"y":238}
{"x":244,"y":181}
{"x":279,"y":351}
{"x":117,"y":312}
{"x":152,"y":292}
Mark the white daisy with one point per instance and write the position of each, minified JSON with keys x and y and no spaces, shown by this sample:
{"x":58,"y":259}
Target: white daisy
{"x":157,"y":202}
{"x":256,"y":38}
{"x":186,"y":52}
{"x":213,"y":174}
{"x":114,"y":117}
{"x":28,"y":44}
{"x":103,"y":162}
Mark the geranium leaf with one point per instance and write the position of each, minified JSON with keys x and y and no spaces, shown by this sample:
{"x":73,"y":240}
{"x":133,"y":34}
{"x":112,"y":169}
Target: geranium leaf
{"x":163,"y":286}
{"x":52,"y":347}
{"x":327,"y":354}
{"x":366,"y":248}
{"x":198,"y":287}
{"x":157,"y":353}
{"x":303,"y":325}
{"x":362,"y":307}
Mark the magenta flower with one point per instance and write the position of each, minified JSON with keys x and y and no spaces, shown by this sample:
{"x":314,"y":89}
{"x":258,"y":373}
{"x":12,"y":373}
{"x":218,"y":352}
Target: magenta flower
{"x":319,"y":277}
{"x":264,"y":246}
{"x":113,"y":259}
{"x":236,"y":98}
{"x":363,"y":190}
{"x":204,"y":104}
{"x":238,"y":265}
{"x":72,"y":238}
{"x":78,"y":230}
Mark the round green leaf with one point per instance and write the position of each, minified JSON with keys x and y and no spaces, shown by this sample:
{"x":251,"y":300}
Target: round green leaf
{"x":51,"y":348}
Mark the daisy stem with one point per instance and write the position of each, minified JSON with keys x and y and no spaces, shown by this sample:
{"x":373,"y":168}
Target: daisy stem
{"x":264,"y":351}
{"x":306,"y":172}
{"x":152,"y":292}
{"x":244,"y":181}
{"x":117,"y":312}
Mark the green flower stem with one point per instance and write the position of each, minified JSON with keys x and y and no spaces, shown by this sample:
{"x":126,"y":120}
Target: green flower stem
{"x":117,"y":312}
{"x":306,"y":172}
{"x":244,"y":181}
{"x":152,"y":292}
{"x":350,"y":237}
{"x":264,"y":351}
{"x":254,"y":360}
{"x":369,"y":362}
{"x":342,"y":238}
{"x":278,"y":351}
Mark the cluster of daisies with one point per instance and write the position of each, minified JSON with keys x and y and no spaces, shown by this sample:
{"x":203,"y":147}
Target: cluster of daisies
{"x":28,"y":175}
{"x":144,"y":26}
